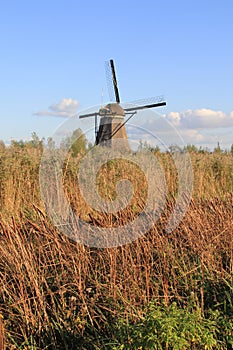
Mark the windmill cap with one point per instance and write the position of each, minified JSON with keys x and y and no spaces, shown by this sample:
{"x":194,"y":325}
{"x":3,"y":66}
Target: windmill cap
{"x":112,"y":109}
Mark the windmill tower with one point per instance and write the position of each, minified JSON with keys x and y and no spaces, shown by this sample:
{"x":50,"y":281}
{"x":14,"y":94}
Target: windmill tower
{"x":111,"y":125}
{"x":112,"y":116}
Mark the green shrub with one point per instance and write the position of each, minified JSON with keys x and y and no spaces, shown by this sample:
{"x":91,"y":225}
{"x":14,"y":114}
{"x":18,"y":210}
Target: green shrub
{"x":171,"y":327}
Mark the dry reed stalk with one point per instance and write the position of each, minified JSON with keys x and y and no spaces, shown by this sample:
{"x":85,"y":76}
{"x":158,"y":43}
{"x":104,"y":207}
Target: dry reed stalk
{"x":2,"y":336}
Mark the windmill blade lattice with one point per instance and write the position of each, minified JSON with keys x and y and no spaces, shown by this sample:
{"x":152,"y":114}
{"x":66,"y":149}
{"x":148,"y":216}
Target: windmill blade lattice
{"x":145,"y":101}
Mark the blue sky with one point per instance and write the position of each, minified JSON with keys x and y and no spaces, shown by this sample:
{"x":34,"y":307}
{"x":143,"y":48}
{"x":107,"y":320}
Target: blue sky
{"x":53,"y":53}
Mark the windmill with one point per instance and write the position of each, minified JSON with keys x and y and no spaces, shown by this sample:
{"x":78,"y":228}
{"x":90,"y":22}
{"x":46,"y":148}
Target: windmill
{"x":113,"y":116}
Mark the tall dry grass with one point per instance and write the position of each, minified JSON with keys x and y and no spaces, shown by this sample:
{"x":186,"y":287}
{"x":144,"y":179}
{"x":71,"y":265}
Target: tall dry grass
{"x":55,"y":293}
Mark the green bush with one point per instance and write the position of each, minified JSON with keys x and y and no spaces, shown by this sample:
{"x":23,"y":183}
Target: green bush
{"x":171,"y":327}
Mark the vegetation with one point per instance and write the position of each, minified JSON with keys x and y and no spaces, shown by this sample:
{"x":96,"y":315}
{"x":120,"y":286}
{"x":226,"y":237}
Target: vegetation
{"x":163,"y":291}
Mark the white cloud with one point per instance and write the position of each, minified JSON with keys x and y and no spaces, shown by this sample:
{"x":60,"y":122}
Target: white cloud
{"x":67,"y":107}
{"x":174,"y":118}
{"x":200,"y":119}
{"x":202,"y":127}
{"x":191,"y":136}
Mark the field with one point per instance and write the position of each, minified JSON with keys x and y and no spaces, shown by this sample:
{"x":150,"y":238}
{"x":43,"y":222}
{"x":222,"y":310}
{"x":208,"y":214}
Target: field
{"x":163,"y":291}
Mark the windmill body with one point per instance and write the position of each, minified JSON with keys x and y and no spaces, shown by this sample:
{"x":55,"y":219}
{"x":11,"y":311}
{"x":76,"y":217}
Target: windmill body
{"x":112,"y":116}
{"x":112,"y":126}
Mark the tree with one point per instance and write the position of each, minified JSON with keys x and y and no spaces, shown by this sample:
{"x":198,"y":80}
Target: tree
{"x":218,"y":149}
{"x":191,"y":148}
{"x":50,"y":143}
{"x":77,"y":143}
{"x":2,"y":146}
{"x":232,"y":149}
{"x":35,"y":141}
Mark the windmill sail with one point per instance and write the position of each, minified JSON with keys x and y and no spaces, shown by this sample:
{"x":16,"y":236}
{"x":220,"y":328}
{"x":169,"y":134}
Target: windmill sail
{"x":113,"y":90}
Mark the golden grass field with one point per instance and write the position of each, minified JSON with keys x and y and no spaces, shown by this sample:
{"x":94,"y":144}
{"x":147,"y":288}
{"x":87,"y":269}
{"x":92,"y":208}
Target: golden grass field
{"x":59,"y":294}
